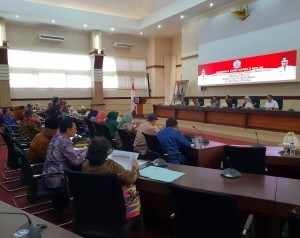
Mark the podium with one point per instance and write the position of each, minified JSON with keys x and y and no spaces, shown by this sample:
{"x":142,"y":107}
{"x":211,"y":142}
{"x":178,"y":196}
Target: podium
{"x":140,"y":101}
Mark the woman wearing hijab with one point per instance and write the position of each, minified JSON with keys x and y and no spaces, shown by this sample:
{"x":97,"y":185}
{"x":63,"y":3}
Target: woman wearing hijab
{"x":111,"y":122}
{"x":101,"y":117}
{"x":125,"y":124}
{"x":247,"y":103}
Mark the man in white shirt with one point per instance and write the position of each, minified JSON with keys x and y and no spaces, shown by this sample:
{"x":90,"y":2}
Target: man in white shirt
{"x":271,"y":104}
{"x":286,"y":71}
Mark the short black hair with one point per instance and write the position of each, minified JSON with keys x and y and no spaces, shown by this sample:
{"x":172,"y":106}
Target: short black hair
{"x":98,"y":150}
{"x":171,"y":122}
{"x":65,"y":124}
{"x":270,"y":95}
{"x":28,"y":113}
{"x":55,"y":99}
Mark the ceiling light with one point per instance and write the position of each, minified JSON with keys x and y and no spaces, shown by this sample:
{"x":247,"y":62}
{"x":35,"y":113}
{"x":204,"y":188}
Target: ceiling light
{"x":85,"y":25}
{"x":159,"y":26}
{"x":211,"y":4}
{"x":182,"y":16}
{"x":53,"y":21}
{"x":112,"y":29}
{"x":141,"y":33}
{"x":17,"y":16}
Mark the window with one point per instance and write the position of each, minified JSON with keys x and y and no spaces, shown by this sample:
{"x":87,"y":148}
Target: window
{"x":118,"y":72}
{"x":29,"y":69}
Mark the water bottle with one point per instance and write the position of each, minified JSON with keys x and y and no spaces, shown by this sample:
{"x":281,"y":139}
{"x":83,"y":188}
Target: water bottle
{"x":197,"y":144}
{"x":292,"y":149}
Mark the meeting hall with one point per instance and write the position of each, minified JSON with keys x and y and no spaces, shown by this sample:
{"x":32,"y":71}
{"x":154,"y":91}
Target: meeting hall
{"x":225,"y":70}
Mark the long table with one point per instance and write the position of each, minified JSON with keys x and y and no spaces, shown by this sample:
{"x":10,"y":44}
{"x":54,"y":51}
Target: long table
{"x":247,"y":118}
{"x":210,"y":156}
{"x":10,"y":223}
{"x":265,"y":196}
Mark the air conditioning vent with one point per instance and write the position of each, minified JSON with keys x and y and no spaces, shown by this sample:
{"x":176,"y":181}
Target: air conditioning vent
{"x":122,"y":45}
{"x":53,"y":38}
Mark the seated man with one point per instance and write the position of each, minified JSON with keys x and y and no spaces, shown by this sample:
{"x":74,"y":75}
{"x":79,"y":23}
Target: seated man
{"x":271,"y":104}
{"x":172,"y":141}
{"x":228,"y":101}
{"x":196,"y":102}
{"x":9,"y":117}
{"x":148,"y":127}
{"x":215,"y":103}
{"x":31,"y":125}
{"x":39,"y":144}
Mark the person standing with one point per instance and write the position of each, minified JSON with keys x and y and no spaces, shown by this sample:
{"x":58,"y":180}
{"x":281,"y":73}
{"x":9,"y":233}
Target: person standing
{"x":172,"y":141}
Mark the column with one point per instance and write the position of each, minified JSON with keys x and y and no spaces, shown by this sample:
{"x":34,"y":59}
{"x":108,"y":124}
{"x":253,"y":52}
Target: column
{"x":5,"y":99}
{"x":97,"y":57}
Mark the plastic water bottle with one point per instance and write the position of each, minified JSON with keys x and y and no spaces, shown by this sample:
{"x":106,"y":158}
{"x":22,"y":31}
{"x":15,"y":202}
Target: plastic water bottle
{"x":292,"y":149}
{"x":197,"y":144}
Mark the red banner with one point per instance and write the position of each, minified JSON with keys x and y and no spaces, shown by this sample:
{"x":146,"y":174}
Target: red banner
{"x":258,"y":69}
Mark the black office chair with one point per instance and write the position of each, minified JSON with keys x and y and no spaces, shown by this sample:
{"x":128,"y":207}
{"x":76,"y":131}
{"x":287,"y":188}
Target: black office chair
{"x":245,"y":159}
{"x":107,"y":135}
{"x":206,"y":214}
{"x":98,"y":128}
{"x":92,"y":130}
{"x":127,"y":142}
{"x":293,"y":226}
{"x":154,"y":148}
{"x":36,"y":189}
{"x":255,"y":102}
{"x":279,"y":100}
{"x":101,"y":213}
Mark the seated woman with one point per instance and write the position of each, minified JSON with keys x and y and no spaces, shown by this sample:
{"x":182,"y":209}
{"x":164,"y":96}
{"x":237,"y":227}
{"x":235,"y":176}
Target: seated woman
{"x":97,"y":162}
{"x":31,"y":125}
{"x":111,"y":122}
{"x":247,"y":103}
{"x":101,"y":117}
{"x":125,"y":124}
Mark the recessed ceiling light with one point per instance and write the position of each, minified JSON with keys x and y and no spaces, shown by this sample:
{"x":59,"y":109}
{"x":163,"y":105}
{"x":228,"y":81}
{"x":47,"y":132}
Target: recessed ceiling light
{"x":17,"y":16}
{"x":211,"y":4}
{"x":141,"y":33}
{"x":85,"y":25}
{"x":112,"y":29}
{"x":159,"y":26}
{"x":53,"y":21}
{"x":182,"y":16}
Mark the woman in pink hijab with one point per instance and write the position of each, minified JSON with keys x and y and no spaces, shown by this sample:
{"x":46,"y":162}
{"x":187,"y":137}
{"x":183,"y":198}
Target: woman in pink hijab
{"x":101,"y":117}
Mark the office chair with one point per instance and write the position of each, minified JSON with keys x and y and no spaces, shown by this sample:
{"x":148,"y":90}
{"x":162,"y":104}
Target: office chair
{"x":101,"y":213}
{"x":127,"y":142}
{"x":279,"y":100}
{"x":36,"y":189}
{"x":98,"y":128}
{"x":293,"y":227}
{"x":245,"y":159}
{"x":154,"y":148}
{"x":92,"y":130}
{"x":206,"y":214}
{"x":107,"y":135}
{"x":255,"y":102}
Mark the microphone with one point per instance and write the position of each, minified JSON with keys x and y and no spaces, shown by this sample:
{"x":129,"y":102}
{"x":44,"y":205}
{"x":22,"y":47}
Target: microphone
{"x":159,"y":162}
{"x":29,"y":230}
{"x":291,"y":109}
{"x":230,"y":172}
{"x":203,"y":138}
{"x":257,"y":142}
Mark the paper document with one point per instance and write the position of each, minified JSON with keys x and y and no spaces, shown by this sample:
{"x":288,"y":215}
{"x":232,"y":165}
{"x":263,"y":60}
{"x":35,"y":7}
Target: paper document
{"x":160,"y":174}
{"x":123,"y":158}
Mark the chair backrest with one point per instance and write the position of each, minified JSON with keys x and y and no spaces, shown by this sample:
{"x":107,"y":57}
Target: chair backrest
{"x":293,"y":225}
{"x":127,"y":143}
{"x":99,"y":206}
{"x":153,"y":143}
{"x":255,"y":102}
{"x":98,"y":128}
{"x":204,"y":214}
{"x":90,"y":125}
{"x":279,"y":100}
{"x":13,"y":161}
{"x":245,"y":159}
{"x":106,"y":132}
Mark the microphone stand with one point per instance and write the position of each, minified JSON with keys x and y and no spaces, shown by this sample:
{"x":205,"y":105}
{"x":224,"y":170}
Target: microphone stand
{"x":159,"y":162}
{"x":230,"y":172}
{"x":291,"y":109}
{"x":203,"y":138}
{"x":257,"y":142}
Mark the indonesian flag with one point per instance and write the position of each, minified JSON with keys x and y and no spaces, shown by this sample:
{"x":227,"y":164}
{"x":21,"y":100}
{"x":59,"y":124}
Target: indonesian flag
{"x":133,"y":105}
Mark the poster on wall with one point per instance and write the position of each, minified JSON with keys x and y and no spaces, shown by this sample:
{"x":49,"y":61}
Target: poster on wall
{"x":271,"y":68}
{"x":180,"y":89}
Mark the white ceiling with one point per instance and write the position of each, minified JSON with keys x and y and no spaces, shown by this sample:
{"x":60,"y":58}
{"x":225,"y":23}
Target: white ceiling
{"x":125,"y":16}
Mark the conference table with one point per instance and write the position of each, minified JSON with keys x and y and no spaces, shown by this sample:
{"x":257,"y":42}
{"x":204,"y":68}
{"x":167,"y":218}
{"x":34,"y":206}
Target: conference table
{"x":246,"y":118}
{"x":10,"y":223}
{"x":267,"y":197}
{"x":211,"y":155}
